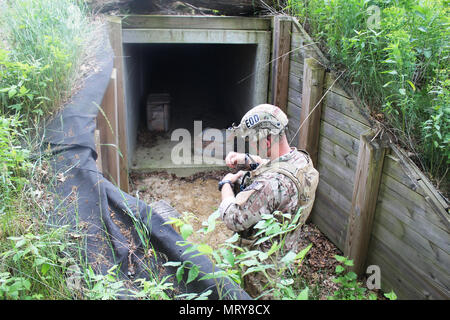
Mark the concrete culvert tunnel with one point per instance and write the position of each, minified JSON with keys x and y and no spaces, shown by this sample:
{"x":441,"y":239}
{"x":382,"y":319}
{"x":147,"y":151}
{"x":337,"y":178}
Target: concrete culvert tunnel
{"x":212,"y":83}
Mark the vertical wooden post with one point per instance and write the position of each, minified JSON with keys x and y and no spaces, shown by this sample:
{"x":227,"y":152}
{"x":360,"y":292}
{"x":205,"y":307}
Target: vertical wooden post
{"x":280,"y":61}
{"x":365,"y":193}
{"x":115,"y":36}
{"x":107,"y":121}
{"x":313,"y":77}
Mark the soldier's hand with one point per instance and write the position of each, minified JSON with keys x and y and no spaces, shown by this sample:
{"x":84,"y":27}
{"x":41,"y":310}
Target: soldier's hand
{"x":233,"y":159}
{"x":233,"y":177}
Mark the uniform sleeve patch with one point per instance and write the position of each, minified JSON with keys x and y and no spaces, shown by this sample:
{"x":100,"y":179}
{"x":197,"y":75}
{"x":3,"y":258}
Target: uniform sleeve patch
{"x":242,"y":197}
{"x":255,"y":186}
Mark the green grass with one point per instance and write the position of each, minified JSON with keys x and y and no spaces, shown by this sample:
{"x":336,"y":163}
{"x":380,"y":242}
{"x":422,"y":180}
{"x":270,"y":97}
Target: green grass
{"x":397,"y":63}
{"x":43,"y":43}
{"x":46,"y":45}
{"x":273,"y":268}
{"x":41,"y":49}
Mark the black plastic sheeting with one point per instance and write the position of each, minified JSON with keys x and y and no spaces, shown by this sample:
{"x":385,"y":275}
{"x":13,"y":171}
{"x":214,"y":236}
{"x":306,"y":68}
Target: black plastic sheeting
{"x":107,"y":217}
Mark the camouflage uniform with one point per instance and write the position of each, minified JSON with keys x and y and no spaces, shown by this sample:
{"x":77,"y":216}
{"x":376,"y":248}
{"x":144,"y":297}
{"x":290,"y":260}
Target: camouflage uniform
{"x":270,"y":190}
{"x":285,"y":184}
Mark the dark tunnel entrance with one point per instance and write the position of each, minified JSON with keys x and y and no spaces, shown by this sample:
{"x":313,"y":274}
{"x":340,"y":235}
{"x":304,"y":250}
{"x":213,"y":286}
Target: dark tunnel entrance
{"x":211,"y":83}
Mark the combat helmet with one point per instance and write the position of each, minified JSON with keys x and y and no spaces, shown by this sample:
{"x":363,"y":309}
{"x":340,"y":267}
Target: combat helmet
{"x":260,"y":121}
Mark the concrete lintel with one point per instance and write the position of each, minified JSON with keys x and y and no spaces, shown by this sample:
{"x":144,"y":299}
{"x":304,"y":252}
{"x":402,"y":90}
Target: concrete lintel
{"x":195,"y":22}
{"x":193,"y":36}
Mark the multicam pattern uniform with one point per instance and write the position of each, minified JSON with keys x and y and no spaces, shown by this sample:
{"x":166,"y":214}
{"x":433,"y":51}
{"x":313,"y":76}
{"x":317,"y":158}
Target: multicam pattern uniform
{"x":271,"y":191}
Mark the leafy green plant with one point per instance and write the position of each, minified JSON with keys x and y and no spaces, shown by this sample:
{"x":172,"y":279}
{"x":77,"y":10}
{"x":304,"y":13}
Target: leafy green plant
{"x":104,"y":287}
{"x":349,"y":287}
{"x":14,"y":288}
{"x":391,"y":295}
{"x":14,"y":164}
{"x":277,"y":265}
{"x":399,"y":67}
{"x":152,"y":289}
{"x":41,"y":260}
{"x":43,"y":47}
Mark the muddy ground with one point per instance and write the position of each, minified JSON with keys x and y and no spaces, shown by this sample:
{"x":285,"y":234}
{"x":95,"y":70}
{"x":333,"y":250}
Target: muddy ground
{"x":198,"y":194}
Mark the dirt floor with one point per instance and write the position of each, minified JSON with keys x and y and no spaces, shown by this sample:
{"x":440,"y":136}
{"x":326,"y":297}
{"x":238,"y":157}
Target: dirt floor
{"x":198,"y":194}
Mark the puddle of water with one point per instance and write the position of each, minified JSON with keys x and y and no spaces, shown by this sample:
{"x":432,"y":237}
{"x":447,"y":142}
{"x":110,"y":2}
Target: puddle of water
{"x":198,"y":195}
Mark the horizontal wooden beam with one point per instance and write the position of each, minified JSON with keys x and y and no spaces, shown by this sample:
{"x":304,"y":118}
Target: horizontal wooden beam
{"x":194,"y":36}
{"x":194,"y":22}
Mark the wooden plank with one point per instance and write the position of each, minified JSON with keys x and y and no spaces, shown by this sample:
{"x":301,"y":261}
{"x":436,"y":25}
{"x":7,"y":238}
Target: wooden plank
{"x":325,"y":227}
{"x":392,"y":275}
{"x":343,"y":122}
{"x":343,"y":157}
{"x":340,"y":168}
{"x":339,"y":137}
{"x":194,"y":22}
{"x":297,"y":49}
{"x":280,"y":61}
{"x":335,"y":196}
{"x":324,"y":216}
{"x":338,"y":176}
{"x":295,"y":83}
{"x":342,"y":104}
{"x":313,"y":75}
{"x":415,"y":209}
{"x":437,"y":203}
{"x":393,"y":168}
{"x":295,"y":97}
{"x":301,"y":49}
{"x":365,"y":193}
{"x":432,"y":247}
{"x":108,"y":125}
{"x":411,"y":266}
{"x":296,"y":69}
{"x":115,"y":36}
{"x":293,"y":112}
{"x":329,"y":80}
{"x":292,"y":136}
{"x":407,"y":197}
{"x":312,"y":48}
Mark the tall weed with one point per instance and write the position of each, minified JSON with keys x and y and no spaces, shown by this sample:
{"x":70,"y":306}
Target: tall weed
{"x":43,"y":49}
{"x":399,"y":67}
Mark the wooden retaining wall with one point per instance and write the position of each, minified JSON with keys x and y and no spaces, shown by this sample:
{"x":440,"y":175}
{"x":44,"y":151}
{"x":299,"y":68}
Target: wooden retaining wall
{"x":408,"y":235}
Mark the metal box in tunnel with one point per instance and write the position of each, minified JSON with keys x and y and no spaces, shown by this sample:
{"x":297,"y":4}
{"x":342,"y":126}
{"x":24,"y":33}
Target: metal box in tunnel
{"x":158,"y":112}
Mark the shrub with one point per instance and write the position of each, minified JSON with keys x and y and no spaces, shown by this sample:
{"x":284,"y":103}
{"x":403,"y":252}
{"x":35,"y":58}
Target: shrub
{"x":349,"y":287}
{"x":276,"y":265}
{"x":14,"y":163}
{"x":46,"y":40}
{"x":398,"y":65}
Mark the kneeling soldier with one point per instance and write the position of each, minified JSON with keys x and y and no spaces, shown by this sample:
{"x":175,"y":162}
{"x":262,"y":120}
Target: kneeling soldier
{"x":285,"y":182}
